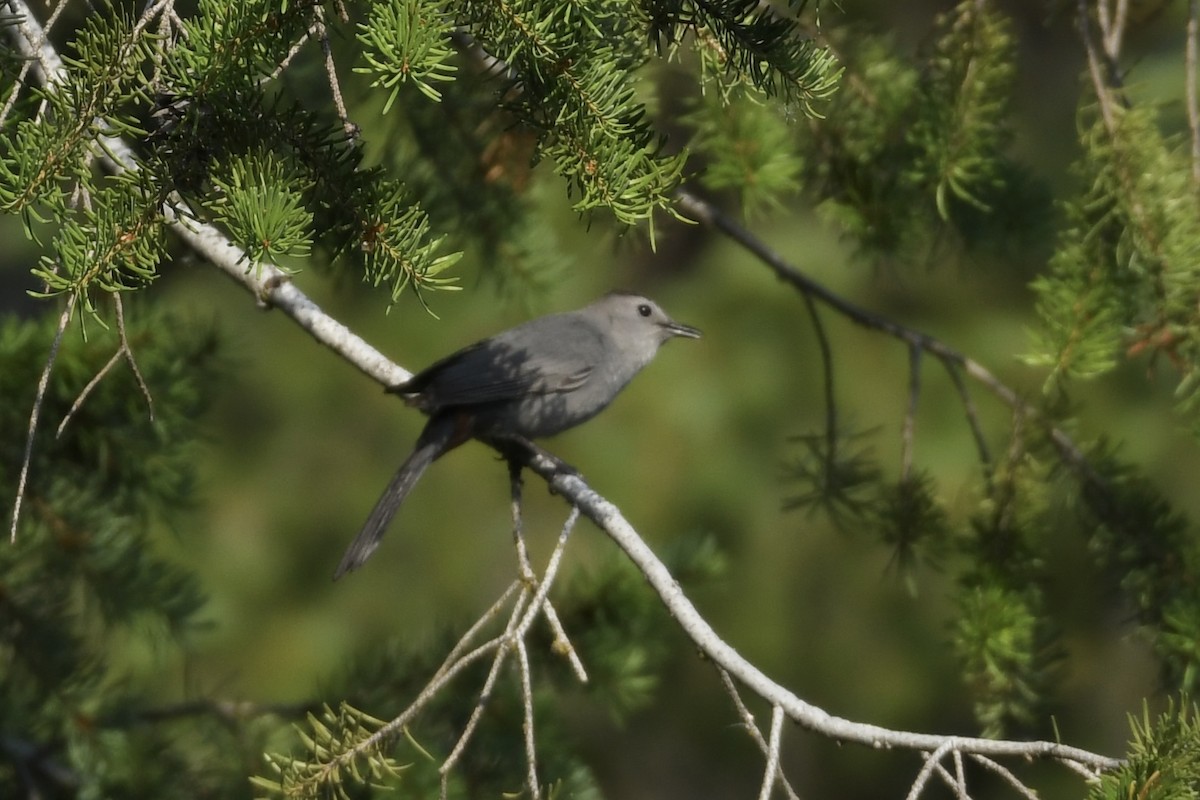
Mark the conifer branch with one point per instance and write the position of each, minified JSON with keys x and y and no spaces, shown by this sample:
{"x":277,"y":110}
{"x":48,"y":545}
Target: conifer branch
{"x":1071,"y":454}
{"x":273,"y":289}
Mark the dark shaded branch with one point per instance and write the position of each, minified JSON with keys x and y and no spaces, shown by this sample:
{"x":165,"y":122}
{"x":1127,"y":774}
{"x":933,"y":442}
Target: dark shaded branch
{"x":1069,"y":452}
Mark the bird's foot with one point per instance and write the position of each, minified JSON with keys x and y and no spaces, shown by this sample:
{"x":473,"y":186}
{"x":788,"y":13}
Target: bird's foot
{"x":519,"y":451}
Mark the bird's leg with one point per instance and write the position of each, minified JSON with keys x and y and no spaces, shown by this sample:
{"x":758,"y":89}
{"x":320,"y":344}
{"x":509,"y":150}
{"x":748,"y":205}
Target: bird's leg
{"x":518,"y":451}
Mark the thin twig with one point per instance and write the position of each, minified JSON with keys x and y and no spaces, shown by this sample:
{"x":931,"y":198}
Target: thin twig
{"x":771,"y":773}
{"x":562,"y":643}
{"x":394,"y":726}
{"x":540,"y":601}
{"x":1089,"y":773}
{"x":751,"y":727}
{"x":36,"y":412}
{"x":1096,"y":68}
{"x":518,"y":530}
{"x":960,"y":778}
{"x":908,"y":430}
{"x":981,"y":445}
{"x":335,"y":87}
{"x":291,"y":54}
{"x":25,"y":67}
{"x":122,"y":350}
{"x":531,"y":778}
{"x":1115,"y":36}
{"x":128,"y":351}
{"x":155,"y":8}
{"x":1013,"y":780}
{"x":485,"y":695}
{"x":932,"y":760}
{"x":958,"y":787}
{"x":87,"y":390}
{"x":518,"y":627}
{"x":467,"y":638}
{"x":827,"y":375}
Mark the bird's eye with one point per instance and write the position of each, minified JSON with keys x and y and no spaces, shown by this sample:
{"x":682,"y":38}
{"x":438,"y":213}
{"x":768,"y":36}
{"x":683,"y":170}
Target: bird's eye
{"x":644,"y":309}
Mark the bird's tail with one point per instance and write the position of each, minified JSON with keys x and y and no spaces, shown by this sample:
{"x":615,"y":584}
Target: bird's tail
{"x":440,"y":435}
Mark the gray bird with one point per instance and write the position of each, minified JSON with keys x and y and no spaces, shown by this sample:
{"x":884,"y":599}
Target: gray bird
{"x":535,"y":380}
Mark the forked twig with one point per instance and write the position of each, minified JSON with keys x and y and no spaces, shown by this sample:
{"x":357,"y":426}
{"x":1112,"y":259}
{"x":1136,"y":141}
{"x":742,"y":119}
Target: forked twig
{"x":771,"y":773}
{"x":123,"y":350}
{"x":751,"y":727}
{"x":932,"y":761}
{"x":35,"y":413}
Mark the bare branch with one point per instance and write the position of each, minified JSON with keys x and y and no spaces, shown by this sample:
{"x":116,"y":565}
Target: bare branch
{"x":956,"y":783}
{"x":771,"y":773}
{"x":751,"y":727}
{"x":485,"y":695}
{"x":36,"y":412}
{"x":335,"y":88}
{"x":908,"y":430}
{"x":291,"y":54}
{"x":1014,"y":782}
{"x":562,"y":644}
{"x":981,"y":445}
{"x":123,"y":350}
{"x":87,"y":390}
{"x":1098,"y":65}
{"x":831,"y":408}
{"x":1068,"y":450}
{"x":932,"y":761}
{"x":128,"y":351}
{"x":531,"y":778}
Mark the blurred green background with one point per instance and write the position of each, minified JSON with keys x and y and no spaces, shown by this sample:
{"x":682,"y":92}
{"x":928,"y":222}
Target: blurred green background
{"x":300,"y":445}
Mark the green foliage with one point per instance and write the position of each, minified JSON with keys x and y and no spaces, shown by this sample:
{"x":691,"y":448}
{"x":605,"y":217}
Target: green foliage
{"x":47,"y":154}
{"x":1123,"y":273}
{"x":833,"y":478}
{"x":913,"y":147}
{"x":572,"y":64}
{"x":235,"y":145}
{"x":1164,"y":758}
{"x":751,"y":43}
{"x":961,"y":129}
{"x":995,"y":634}
{"x":1004,"y":636}
{"x":910,"y":520}
{"x":114,"y":243}
{"x":1150,"y":548}
{"x":83,"y":584}
{"x":418,"y":54}
{"x":748,"y":147}
{"x":1002,"y":633}
{"x":264,"y":212}
{"x":330,"y":739}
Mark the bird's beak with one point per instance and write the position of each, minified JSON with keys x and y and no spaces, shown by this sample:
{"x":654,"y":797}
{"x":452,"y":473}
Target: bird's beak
{"x":679,"y":329}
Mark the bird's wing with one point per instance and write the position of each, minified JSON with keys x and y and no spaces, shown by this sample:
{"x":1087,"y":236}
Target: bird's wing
{"x":504,"y":367}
